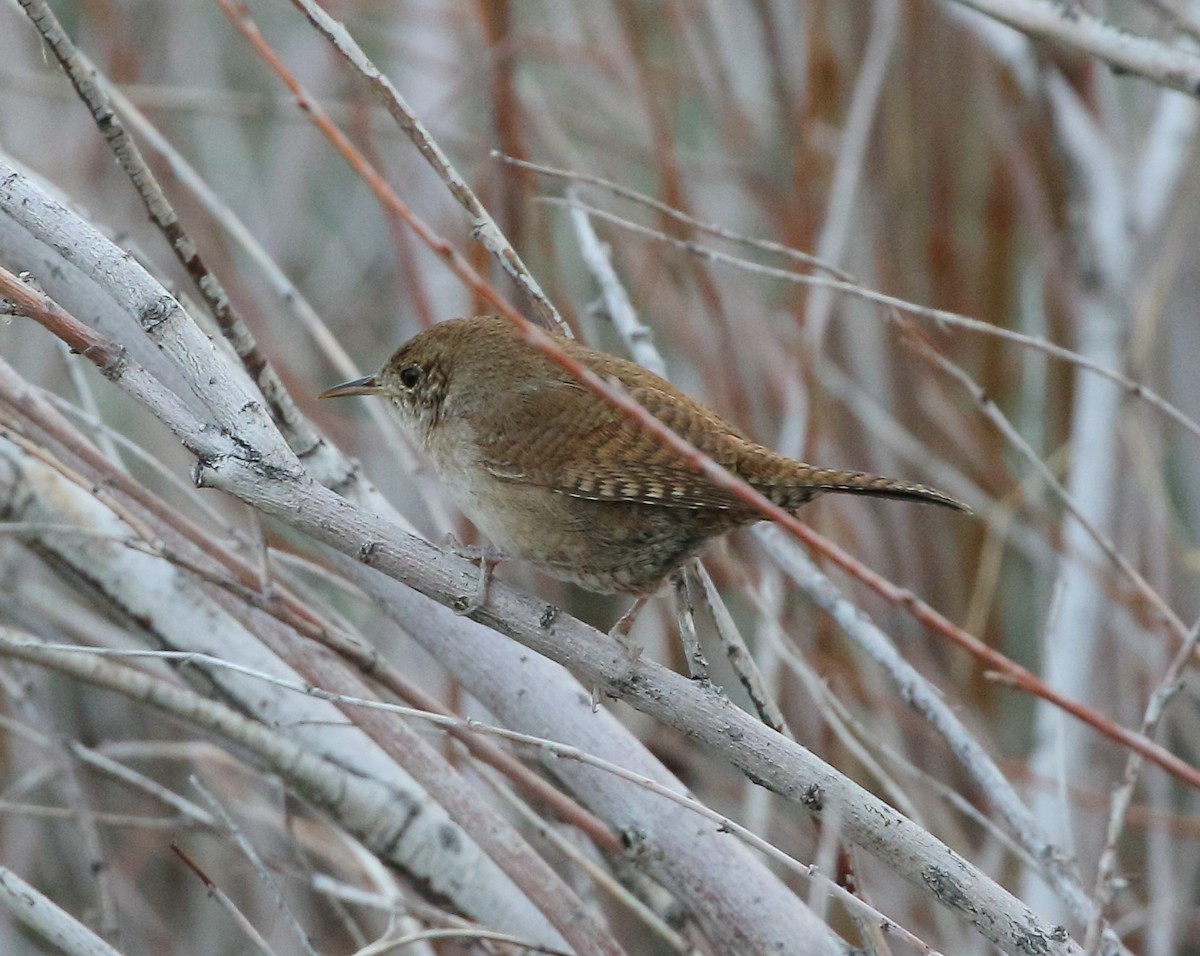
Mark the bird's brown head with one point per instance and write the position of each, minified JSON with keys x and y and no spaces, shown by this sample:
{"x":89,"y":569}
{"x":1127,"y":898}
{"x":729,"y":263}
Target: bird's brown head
{"x":425,"y":374}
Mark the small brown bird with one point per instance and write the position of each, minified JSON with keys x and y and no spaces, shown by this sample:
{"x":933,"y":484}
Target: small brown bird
{"x":557,"y":477}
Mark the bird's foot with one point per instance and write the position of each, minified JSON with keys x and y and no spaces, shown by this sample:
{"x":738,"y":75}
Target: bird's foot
{"x":619,"y":632}
{"x":632,"y":647}
{"x":487,"y":559}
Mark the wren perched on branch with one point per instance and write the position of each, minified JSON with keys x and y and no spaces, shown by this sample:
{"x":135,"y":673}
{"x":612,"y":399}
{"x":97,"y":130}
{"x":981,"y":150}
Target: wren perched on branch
{"x":558,"y":477}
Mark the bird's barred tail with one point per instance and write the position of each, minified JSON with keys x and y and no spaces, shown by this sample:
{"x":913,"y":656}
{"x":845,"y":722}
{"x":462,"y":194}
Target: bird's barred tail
{"x":804,"y":485}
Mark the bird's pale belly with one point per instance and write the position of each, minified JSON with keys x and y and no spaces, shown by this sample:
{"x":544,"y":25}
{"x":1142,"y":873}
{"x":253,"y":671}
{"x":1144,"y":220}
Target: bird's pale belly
{"x":604,"y":546}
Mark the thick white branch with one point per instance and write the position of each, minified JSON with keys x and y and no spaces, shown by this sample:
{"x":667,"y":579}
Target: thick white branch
{"x":1070,"y":25}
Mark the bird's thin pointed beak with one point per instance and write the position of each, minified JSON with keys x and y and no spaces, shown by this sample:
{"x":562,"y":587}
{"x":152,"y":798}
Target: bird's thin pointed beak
{"x":368,"y":385}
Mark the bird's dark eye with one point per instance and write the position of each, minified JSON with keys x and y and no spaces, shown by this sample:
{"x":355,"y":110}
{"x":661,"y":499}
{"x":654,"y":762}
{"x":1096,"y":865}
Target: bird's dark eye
{"x":410,"y":375}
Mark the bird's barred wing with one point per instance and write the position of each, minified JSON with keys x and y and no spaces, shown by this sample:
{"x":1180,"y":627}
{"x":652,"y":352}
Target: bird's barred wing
{"x":578,"y":445}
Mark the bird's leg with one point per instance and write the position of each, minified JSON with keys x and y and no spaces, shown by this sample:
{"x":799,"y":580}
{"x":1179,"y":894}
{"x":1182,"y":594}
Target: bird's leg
{"x":488,"y":558}
{"x":620,"y":631}
{"x":473,"y":602}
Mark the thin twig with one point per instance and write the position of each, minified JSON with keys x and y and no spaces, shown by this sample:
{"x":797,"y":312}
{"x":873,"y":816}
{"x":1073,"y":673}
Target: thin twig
{"x":1122,"y":796}
{"x":223,"y":900}
{"x":941,"y":317}
{"x":740,"y":658}
{"x":636,"y":336}
{"x":256,"y":862}
{"x":483,"y":226}
{"x":685,"y":615}
{"x":712,"y":229}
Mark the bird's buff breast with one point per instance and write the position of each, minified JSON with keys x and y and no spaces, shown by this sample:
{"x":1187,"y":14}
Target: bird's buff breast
{"x":604,"y":546}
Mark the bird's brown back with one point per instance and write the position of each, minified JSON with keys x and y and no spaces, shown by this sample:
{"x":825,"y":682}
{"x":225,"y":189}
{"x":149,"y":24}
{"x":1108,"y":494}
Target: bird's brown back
{"x":544,"y":428}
